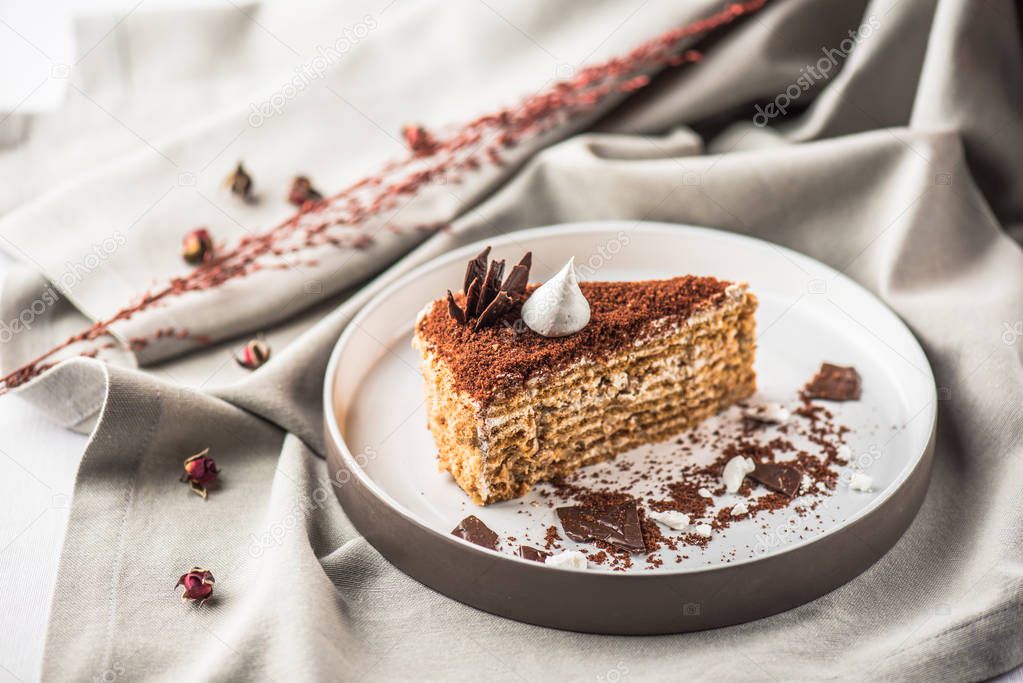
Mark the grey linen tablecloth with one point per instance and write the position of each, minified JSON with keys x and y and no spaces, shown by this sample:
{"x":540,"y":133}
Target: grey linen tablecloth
{"x":896,"y":164}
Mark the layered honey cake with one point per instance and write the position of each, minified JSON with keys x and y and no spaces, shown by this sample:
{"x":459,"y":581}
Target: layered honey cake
{"x":526,"y":383}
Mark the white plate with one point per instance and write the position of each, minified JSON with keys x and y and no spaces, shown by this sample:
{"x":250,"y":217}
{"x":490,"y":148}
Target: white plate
{"x":808,"y":313}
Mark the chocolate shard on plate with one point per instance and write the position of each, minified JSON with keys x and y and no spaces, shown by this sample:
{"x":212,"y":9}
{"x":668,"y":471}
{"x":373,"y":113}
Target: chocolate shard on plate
{"x":472,"y":298}
{"x":781,"y":478}
{"x":614,"y":524}
{"x":476,"y":269}
{"x":834,"y":383}
{"x":455,"y":310}
{"x":528,"y":552}
{"x":501,"y":303}
{"x":475,"y":531}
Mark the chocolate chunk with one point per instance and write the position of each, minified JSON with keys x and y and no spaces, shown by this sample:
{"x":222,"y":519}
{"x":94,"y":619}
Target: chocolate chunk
{"x":501,"y":303}
{"x":780,"y":478}
{"x":476,"y":269}
{"x":475,"y":531}
{"x":749,"y":424}
{"x":834,"y":383}
{"x":491,"y":285}
{"x":528,"y":552}
{"x":615,"y":524}
{"x":515,"y":283}
{"x":487,"y":299}
{"x":472,"y":298}
{"x":455,"y":310}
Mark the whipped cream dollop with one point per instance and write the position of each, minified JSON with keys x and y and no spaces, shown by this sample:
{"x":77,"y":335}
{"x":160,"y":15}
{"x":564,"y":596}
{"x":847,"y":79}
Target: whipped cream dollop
{"x":735,"y":471}
{"x":570,"y":559}
{"x":860,"y":482}
{"x":557,"y":308}
{"x":769,"y":413}
{"x":670,"y":518}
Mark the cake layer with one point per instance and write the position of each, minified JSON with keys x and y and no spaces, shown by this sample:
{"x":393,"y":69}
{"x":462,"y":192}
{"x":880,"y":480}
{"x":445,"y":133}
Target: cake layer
{"x":490,"y":363}
{"x":676,"y":371}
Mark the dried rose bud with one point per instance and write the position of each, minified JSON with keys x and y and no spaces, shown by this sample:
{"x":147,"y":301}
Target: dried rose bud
{"x":200,"y":470}
{"x":198,"y":584}
{"x":255,"y":353}
{"x":419,"y":140}
{"x":302,"y":191}
{"x":240,"y":182}
{"x":197,"y":247}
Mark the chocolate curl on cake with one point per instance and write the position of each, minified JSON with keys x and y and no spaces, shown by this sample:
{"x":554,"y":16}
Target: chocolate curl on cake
{"x":498,"y":307}
{"x":476,"y":269}
{"x":491,"y":286}
{"x":454,"y":310}
{"x":472,"y":299}
{"x":487,"y":298}
{"x":517,"y":280}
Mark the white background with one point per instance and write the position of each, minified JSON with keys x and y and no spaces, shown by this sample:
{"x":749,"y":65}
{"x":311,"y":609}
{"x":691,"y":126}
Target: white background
{"x":38,"y":461}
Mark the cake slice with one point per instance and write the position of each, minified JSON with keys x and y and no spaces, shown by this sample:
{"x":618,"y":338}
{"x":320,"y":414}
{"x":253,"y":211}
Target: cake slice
{"x":508,"y":407}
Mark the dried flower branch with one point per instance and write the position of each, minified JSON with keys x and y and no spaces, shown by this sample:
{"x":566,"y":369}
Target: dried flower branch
{"x":420,"y":142}
{"x":444,"y":160}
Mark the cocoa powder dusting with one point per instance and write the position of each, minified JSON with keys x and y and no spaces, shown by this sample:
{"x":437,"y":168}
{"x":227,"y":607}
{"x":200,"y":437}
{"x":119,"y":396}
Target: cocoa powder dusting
{"x":678,"y":484}
{"x":488,"y":361}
